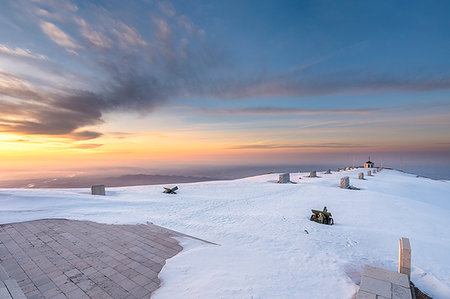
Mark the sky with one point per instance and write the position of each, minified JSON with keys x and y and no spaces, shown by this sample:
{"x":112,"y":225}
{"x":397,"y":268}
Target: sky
{"x":95,"y":84}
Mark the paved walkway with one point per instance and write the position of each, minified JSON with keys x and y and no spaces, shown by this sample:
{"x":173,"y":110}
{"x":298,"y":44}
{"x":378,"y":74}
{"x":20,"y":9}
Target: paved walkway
{"x":60,"y":258}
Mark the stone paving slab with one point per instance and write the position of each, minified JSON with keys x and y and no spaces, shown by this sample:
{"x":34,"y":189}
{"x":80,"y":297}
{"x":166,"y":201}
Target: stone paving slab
{"x":59,"y":258}
{"x":381,"y":283}
{"x":386,"y":275}
{"x":14,"y":290}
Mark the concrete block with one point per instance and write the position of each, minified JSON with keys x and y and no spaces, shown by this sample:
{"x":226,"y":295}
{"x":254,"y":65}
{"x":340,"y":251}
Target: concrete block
{"x":14,"y":289}
{"x":345,"y":182}
{"x":375,"y":286}
{"x":369,"y":173}
{"x":313,"y":174}
{"x":386,"y":275}
{"x":4,"y":291}
{"x":3,"y":274}
{"x":399,"y":292}
{"x":404,"y":257}
{"x":98,"y":190}
{"x":365,"y":295}
{"x":361,"y":176}
{"x":328,"y":171}
{"x":284,"y":178}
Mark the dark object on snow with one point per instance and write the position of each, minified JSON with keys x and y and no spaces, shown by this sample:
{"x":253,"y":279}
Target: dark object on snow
{"x":98,"y":190}
{"x":170,"y":190}
{"x":418,"y":293}
{"x":323,"y":216}
{"x":284,"y":178}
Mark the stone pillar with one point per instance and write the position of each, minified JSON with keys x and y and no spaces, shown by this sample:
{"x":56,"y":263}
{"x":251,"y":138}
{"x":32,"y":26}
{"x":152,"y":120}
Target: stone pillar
{"x":284,"y":178}
{"x":404,"y":257}
{"x":361,"y":176}
{"x":328,"y":171}
{"x":312,"y":174}
{"x":98,"y":190}
{"x":369,"y":173}
{"x":345,"y":182}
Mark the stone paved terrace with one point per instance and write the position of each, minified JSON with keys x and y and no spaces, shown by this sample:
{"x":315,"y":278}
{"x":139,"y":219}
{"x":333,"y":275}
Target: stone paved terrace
{"x":58,"y":258}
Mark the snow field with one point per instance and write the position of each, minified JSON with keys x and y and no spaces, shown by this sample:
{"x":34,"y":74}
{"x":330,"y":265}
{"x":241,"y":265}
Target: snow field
{"x":268,"y":248}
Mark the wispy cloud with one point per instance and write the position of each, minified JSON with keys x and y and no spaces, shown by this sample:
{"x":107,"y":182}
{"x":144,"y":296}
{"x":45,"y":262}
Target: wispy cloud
{"x":120,"y":135}
{"x":281,"y":111}
{"x":127,"y":35}
{"x":87,"y":146}
{"x":342,"y":82}
{"x":167,"y":8}
{"x":57,"y":4}
{"x":297,"y":146}
{"x":58,"y":36}
{"x":21,"y":53}
{"x":96,"y":39}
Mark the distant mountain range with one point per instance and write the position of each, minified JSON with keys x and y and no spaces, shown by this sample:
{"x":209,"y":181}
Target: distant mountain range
{"x":116,"y":181}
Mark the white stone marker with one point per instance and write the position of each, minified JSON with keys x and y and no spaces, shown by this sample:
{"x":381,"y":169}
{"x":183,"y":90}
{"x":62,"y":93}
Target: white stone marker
{"x":98,"y":190}
{"x":404,"y":257}
{"x":361,"y":176}
{"x":284,"y":178}
{"x":345,"y":182}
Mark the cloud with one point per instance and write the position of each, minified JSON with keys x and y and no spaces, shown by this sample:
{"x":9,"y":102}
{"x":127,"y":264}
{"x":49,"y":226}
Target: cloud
{"x":167,"y":8}
{"x":27,"y":110}
{"x":172,"y":60}
{"x":297,"y":146}
{"x":96,"y":39}
{"x":87,"y":146}
{"x":120,"y":135}
{"x":186,"y":23}
{"x":85,"y":135}
{"x":127,"y":35}
{"x":342,"y":82}
{"x":162,"y":30}
{"x":25,"y":53}
{"x":281,"y":111}
{"x":58,"y":36}
{"x":57,"y":4}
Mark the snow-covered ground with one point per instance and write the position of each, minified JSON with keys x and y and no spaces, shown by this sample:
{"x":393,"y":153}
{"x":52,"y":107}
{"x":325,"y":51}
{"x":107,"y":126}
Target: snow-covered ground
{"x":268,"y":247}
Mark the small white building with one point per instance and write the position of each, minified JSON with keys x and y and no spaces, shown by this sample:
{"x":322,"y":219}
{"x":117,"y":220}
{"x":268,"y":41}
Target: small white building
{"x":369,"y":164}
